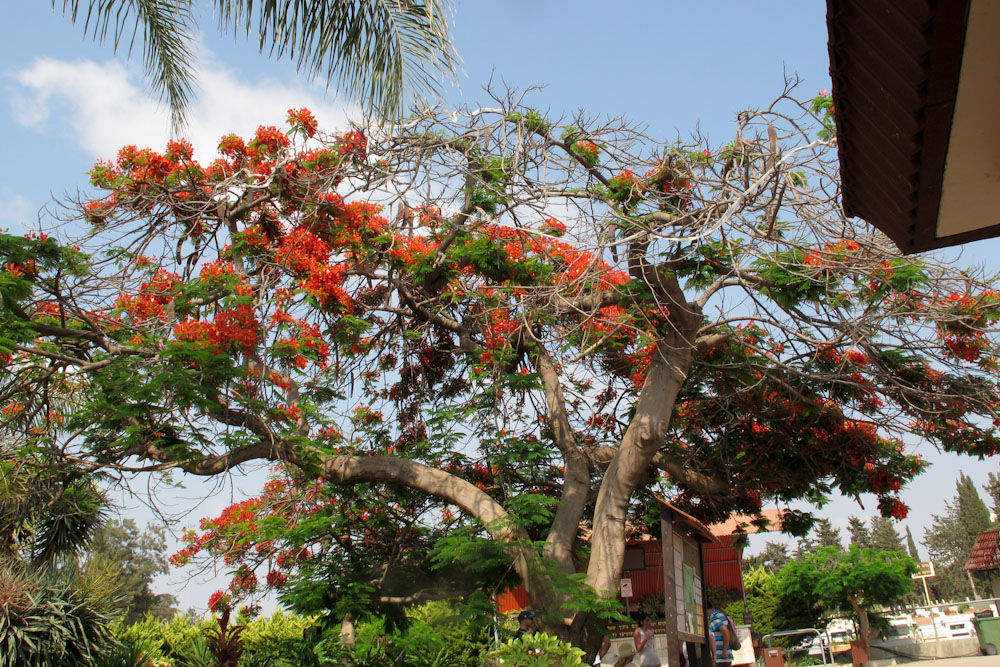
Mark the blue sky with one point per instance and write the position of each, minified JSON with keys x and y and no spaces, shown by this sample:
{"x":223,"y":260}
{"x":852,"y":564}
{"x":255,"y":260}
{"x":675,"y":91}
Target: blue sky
{"x":673,"y":66}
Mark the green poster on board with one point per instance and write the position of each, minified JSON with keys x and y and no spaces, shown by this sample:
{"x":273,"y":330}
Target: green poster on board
{"x":690,"y":608}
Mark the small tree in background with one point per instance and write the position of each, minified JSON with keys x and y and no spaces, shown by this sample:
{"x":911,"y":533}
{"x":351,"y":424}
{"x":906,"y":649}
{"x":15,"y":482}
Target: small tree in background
{"x":911,"y":546}
{"x":854,"y":582}
{"x":136,"y":557}
{"x":827,"y":535}
{"x":771,"y":559}
{"x":993,"y":490}
{"x":823,"y":534}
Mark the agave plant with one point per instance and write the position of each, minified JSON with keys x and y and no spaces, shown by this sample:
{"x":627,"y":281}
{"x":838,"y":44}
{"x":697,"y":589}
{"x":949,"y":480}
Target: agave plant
{"x":46,"y":618}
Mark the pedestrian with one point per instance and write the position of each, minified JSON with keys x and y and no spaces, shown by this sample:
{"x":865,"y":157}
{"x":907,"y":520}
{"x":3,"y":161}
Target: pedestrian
{"x":603,"y":651}
{"x":645,"y":647}
{"x":719,"y":626}
{"x":526,"y":621}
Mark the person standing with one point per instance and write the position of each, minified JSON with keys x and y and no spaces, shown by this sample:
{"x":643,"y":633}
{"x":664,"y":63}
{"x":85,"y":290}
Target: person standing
{"x":645,"y":647}
{"x":718,"y":625}
{"x":603,"y":651}
{"x":526,"y":621}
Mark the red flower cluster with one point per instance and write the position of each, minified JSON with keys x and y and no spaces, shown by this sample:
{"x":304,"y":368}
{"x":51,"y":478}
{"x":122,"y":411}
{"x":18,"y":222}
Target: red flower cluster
{"x":326,"y":285}
{"x":236,"y":327}
{"x":354,"y":145}
{"x":148,"y":305}
{"x":553,"y":227}
{"x":232,"y":146}
{"x":268,"y":141}
{"x":179,"y":150}
{"x":302,"y":119}
{"x":220,"y":602}
{"x":302,"y":251}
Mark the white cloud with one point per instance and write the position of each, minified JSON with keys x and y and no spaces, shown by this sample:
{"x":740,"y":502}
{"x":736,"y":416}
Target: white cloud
{"x":103,"y":106}
{"x":16,"y":211}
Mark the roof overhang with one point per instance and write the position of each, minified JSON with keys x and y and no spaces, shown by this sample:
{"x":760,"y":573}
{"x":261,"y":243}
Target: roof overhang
{"x":915,"y":87}
{"x":694,"y":527}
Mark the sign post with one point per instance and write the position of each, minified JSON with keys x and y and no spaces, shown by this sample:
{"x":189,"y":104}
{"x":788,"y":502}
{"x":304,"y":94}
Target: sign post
{"x":926,"y":570}
{"x":625,"y":588}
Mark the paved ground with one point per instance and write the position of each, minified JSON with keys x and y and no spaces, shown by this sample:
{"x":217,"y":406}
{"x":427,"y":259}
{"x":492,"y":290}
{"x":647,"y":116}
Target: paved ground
{"x":975,"y":661}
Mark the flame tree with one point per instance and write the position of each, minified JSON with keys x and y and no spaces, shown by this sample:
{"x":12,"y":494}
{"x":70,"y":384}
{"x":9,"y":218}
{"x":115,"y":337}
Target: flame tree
{"x":525,"y":321}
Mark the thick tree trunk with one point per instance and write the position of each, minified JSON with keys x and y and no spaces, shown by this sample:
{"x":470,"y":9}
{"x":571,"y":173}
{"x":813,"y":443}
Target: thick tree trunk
{"x":630,"y":466}
{"x":576,"y":474}
{"x":347,"y":635}
{"x":500,"y":525}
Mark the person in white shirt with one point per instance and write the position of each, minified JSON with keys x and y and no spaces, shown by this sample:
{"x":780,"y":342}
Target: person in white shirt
{"x":645,"y":646}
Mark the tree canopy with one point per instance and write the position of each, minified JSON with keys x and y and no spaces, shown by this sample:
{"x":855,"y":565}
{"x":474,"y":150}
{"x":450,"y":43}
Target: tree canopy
{"x":136,"y":556}
{"x":856,"y":581}
{"x":529,"y":322}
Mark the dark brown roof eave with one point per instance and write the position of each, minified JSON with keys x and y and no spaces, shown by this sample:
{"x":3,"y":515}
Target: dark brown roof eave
{"x":904,"y":58}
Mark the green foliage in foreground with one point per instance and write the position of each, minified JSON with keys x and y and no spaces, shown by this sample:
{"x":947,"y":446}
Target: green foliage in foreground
{"x":537,"y":650}
{"x":434,"y":634}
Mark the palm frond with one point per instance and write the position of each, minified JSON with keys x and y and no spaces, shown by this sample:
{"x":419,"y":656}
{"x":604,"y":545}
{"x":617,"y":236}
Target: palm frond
{"x":69,"y":521}
{"x":166,"y":30}
{"x":380,"y":52}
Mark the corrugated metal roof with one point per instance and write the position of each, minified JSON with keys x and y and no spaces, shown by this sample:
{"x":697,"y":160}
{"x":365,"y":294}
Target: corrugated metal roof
{"x":722,"y":563}
{"x":895,"y":66}
{"x":984,"y":554}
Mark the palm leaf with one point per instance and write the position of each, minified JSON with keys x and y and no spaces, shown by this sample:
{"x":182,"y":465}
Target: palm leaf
{"x":166,"y":28}
{"x":377,"y":51}
{"x":69,"y":521}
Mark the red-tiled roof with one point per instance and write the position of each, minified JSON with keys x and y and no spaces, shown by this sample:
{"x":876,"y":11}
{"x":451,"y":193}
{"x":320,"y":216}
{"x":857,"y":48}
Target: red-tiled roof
{"x":984,"y":555}
{"x":730,"y":525}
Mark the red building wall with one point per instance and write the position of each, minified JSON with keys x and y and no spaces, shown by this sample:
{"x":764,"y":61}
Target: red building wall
{"x":721,"y":569}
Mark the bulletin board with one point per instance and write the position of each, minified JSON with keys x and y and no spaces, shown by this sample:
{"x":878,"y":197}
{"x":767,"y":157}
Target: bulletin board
{"x":688,"y":586}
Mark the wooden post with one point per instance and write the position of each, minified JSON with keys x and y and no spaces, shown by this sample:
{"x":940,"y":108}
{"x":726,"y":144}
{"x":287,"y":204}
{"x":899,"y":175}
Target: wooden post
{"x":975,"y":594}
{"x":708,"y":653}
{"x":669,"y":588}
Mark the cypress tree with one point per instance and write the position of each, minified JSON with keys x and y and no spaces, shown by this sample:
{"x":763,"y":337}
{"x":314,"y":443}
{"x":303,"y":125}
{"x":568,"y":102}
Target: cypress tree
{"x":827,"y":535}
{"x":950,"y":538}
{"x":859,"y":532}
{"x":993,"y":490}
{"x":884,"y":536}
{"x":973,"y":515}
{"x":911,"y":546}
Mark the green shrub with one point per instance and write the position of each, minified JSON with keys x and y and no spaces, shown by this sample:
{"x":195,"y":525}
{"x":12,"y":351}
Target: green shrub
{"x":536,"y":650}
{"x":167,"y":643}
